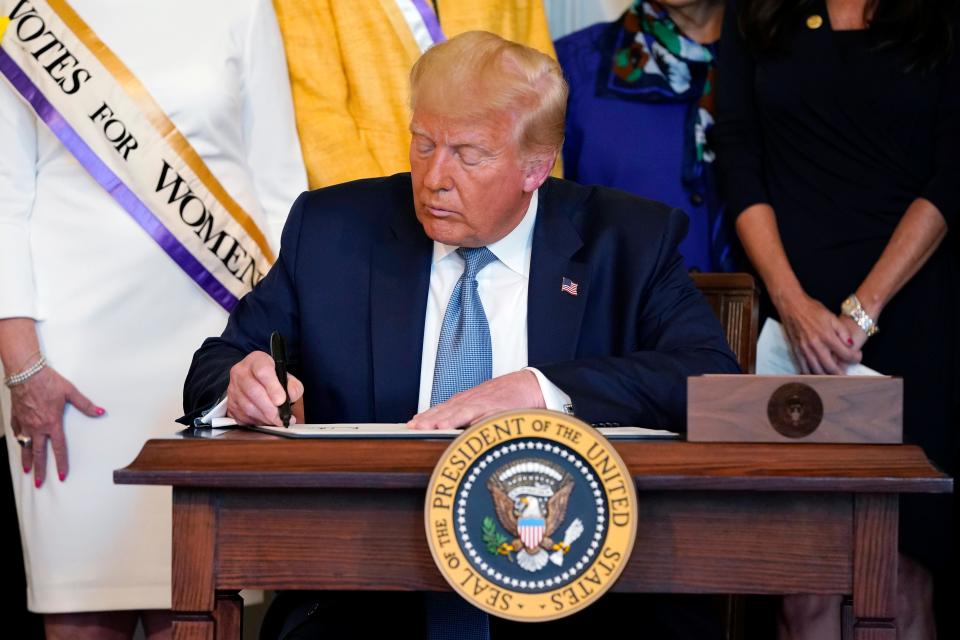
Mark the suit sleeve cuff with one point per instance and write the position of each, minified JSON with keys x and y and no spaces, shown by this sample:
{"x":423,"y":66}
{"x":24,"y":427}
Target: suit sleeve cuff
{"x":553,"y":397}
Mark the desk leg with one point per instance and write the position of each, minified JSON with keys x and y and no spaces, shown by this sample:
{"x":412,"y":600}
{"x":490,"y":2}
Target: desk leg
{"x":194,"y":541}
{"x":226,"y":623}
{"x":228,"y":616}
{"x":875,"y":567}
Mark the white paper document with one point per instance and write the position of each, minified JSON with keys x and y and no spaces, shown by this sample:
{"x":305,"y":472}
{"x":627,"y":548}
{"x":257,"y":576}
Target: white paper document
{"x":775,"y":358}
{"x":400,"y":430}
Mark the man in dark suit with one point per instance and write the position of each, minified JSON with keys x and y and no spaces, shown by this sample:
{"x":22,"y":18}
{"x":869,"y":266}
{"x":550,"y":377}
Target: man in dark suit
{"x":351,"y":285}
{"x":613,"y":324}
{"x":501,"y":288}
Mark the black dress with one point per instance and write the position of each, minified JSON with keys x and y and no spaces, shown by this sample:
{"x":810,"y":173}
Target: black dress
{"x":839,"y":139}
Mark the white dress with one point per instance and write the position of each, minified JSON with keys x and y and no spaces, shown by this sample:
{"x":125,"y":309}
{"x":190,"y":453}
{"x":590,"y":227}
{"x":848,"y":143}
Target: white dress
{"x":115,"y":315}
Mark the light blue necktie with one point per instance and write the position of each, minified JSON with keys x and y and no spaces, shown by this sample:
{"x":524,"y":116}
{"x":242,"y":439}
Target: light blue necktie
{"x":464,"y":360}
{"x":464,"y":354}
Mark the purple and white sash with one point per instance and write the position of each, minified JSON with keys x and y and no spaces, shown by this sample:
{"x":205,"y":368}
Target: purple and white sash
{"x":108,"y":120}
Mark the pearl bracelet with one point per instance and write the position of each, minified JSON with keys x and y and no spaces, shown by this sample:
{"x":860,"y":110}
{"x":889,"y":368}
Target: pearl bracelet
{"x":26,"y":374}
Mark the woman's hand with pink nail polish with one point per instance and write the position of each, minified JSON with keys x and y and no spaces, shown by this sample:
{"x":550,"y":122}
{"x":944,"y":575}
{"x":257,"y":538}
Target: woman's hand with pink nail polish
{"x":37,"y":408}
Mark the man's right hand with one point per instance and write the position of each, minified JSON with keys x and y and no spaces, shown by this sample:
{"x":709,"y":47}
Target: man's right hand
{"x":255,"y":393}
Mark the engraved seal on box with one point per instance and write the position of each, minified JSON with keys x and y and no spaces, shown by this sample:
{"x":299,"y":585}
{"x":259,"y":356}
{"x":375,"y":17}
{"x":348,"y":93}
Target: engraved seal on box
{"x":531,"y":515}
{"x":795,"y":410}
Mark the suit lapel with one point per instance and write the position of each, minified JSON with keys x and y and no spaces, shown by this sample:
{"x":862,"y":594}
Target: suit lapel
{"x":400,"y":280}
{"x":553,"y":315}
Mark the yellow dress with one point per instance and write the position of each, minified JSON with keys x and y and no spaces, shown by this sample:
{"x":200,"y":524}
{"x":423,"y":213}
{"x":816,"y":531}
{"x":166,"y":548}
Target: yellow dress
{"x":349,"y":64}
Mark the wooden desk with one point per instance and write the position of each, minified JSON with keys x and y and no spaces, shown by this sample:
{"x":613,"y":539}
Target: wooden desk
{"x":254,"y":511}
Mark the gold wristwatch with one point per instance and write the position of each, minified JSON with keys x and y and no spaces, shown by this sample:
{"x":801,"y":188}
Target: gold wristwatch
{"x":852,"y":308}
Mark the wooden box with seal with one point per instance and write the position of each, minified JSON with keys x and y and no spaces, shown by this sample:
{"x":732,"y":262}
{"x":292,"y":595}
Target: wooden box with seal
{"x":834,"y":409}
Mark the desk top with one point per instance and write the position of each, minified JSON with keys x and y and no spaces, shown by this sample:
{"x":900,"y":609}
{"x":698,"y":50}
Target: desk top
{"x":243,"y":459}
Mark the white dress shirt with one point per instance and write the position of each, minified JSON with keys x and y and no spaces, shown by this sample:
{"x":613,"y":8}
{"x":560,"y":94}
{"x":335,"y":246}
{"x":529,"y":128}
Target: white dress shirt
{"x":502,"y":286}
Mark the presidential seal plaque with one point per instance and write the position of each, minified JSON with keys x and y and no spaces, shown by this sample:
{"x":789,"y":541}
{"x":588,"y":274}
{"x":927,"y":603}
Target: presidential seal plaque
{"x":795,"y":410}
{"x":531,"y":516}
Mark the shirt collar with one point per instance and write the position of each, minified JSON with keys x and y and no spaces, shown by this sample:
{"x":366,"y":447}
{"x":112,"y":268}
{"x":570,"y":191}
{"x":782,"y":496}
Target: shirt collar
{"x":513,"y":250}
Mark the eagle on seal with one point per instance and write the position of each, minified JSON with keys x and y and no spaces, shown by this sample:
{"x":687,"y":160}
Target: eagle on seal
{"x":530,"y":497}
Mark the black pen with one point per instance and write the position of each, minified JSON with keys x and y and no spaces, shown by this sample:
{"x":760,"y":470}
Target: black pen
{"x":279,"y":352}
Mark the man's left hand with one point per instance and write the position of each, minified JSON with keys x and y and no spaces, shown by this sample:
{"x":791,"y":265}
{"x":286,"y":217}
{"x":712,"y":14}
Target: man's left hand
{"x":518,"y":390}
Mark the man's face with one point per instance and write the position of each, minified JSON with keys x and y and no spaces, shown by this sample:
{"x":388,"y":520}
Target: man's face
{"x":469,"y":186}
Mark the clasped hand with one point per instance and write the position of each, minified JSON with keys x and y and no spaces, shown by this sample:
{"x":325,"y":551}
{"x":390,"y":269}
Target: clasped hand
{"x":822,"y":342}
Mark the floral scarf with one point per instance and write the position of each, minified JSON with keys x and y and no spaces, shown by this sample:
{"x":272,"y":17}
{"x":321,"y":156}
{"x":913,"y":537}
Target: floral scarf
{"x":654,"y":62}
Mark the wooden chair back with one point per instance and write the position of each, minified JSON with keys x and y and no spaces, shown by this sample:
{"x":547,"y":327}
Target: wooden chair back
{"x":735,"y":299}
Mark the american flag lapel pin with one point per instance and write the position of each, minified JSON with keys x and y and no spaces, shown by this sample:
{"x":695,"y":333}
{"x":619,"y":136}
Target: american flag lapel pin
{"x":568,"y":286}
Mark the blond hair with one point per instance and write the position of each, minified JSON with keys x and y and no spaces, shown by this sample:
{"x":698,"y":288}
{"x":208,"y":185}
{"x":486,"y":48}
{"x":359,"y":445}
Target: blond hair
{"x":477,"y":72}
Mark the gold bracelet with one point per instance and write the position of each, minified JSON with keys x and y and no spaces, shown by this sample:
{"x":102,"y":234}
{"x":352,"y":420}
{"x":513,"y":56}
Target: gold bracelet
{"x":852,"y":308}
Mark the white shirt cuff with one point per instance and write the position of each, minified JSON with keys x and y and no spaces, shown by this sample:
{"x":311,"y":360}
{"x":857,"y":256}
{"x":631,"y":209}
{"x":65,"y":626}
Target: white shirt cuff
{"x":553,"y":396}
{"x":218,"y":410}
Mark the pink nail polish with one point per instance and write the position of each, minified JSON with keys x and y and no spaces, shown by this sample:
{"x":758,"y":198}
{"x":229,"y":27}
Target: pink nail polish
{"x":26,"y":468}
{"x":62,"y":475}
{"x":100,"y":411}
{"x":850,"y":342}
{"x":37,"y":481}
